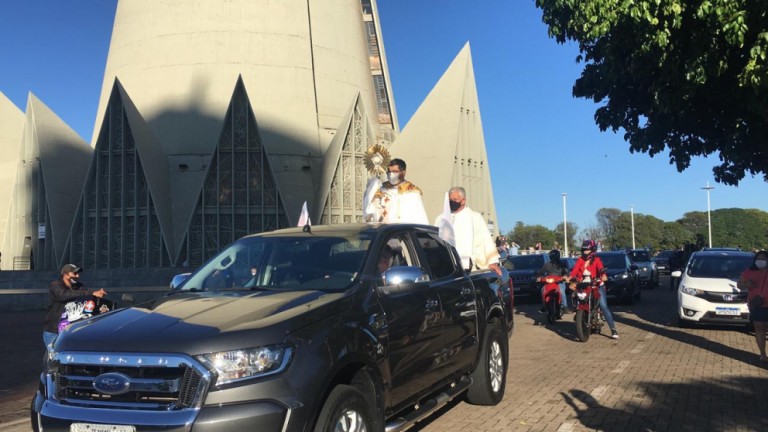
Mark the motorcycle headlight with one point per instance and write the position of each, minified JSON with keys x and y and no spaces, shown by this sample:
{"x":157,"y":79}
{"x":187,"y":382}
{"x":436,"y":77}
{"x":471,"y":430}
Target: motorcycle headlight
{"x":549,"y":280}
{"x":691,"y":291}
{"x":581,"y":295}
{"x":237,"y":365}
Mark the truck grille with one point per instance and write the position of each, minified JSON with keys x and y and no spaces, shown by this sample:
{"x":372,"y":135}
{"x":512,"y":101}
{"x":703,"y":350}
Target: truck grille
{"x":149,"y":382}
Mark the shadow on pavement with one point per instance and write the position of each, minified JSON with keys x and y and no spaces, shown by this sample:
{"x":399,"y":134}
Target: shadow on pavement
{"x":693,"y":406}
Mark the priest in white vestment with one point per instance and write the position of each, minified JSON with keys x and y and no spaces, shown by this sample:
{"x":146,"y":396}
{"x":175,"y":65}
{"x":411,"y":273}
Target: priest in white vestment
{"x":397,"y":200}
{"x":473,"y":241}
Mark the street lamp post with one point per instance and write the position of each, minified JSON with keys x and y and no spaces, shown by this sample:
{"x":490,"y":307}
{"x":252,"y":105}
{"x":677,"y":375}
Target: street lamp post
{"x":632,"y":216}
{"x":565,"y":226}
{"x":709,"y":218}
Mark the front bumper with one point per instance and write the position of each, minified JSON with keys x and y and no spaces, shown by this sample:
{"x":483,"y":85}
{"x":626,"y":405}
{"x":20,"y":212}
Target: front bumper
{"x":262,"y":416}
{"x":619,"y":288}
{"x":699,"y":310}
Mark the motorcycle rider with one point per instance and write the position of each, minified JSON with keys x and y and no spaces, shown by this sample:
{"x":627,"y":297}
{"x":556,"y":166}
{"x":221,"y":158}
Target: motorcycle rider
{"x":590,"y":266}
{"x":555,"y":268}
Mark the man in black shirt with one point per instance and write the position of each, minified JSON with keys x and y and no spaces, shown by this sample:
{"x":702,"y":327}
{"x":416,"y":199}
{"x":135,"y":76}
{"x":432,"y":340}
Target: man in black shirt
{"x":63,"y":290}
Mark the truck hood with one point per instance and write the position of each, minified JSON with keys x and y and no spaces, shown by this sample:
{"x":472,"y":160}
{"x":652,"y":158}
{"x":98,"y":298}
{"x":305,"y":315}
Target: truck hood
{"x":196,"y":323}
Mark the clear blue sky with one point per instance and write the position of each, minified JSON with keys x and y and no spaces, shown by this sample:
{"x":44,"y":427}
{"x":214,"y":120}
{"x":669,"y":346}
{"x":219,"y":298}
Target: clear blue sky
{"x":541,"y":141}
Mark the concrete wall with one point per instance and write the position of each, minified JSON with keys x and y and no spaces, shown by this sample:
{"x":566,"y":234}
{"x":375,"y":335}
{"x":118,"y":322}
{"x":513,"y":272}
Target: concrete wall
{"x":22,"y":291}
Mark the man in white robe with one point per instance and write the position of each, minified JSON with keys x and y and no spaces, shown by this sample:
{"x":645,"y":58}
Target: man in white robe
{"x":397,"y":200}
{"x":473,"y":241}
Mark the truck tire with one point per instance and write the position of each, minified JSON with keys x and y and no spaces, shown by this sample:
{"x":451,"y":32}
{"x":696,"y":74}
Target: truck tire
{"x":583,"y":328}
{"x":345,"y":409}
{"x":489,"y":378}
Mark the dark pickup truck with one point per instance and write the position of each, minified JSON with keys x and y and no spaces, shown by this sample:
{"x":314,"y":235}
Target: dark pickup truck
{"x":345,"y":327}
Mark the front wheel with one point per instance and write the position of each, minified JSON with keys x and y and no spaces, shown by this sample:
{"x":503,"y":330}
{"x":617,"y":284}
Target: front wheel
{"x":346,"y":409}
{"x":489,"y":379}
{"x":583,"y":329}
{"x":552,"y":310}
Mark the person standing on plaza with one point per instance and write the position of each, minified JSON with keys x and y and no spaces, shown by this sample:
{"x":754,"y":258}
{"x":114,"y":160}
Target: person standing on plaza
{"x":755,"y":280}
{"x":62,"y":291}
{"x":473,"y":241}
{"x":588,"y":267}
{"x":397,"y":200}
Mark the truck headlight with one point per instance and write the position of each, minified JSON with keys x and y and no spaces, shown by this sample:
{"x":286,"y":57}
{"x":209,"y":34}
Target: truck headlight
{"x":620,"y":276}
{"x":237,"y":365}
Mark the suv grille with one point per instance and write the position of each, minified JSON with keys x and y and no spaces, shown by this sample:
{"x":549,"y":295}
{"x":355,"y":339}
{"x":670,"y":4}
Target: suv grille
{"x":154,"y":382}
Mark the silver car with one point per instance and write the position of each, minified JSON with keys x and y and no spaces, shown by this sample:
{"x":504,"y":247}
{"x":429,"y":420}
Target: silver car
{"x":647,"y":272}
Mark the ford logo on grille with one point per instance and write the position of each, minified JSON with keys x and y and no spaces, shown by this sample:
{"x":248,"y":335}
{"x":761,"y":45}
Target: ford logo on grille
{"x":112,"y":383}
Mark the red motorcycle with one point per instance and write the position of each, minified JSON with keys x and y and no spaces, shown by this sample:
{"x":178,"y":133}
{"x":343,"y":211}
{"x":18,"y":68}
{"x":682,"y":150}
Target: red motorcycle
{"x":589,"y":317}
{"x":551,"y":297}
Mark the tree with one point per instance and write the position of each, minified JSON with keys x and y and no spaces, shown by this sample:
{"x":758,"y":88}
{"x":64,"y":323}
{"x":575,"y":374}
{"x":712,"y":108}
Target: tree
{"x":572,"y":230}
{"x":687,"y":76}
{"x":528,"y":235}
{"x":606,"y":222}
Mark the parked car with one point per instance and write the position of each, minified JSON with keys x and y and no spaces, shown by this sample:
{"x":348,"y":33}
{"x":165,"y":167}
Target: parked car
{"x":622,"y":281}
{"x":707,"y":293}
{"x":376,"y":324}
{"x":523,"y":271}
{"x":662,"y":261}
{"x":647,"y":273}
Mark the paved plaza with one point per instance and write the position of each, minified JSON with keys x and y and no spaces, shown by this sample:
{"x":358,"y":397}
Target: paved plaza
{"x":656,"y":377}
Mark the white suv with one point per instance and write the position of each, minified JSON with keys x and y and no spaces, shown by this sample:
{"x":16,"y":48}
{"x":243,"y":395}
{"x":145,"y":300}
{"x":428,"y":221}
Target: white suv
{"x":708,"y":292}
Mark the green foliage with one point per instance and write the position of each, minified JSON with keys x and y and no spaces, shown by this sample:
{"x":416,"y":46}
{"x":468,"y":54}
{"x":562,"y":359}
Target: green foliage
{"x":528,"y":235}
{"x":573,"y":230}
{"x":744,"y":228}
{"x":685,"y":76}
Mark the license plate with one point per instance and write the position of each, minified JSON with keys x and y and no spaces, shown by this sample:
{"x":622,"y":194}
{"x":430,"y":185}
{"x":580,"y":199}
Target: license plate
{"x":93,"y":427}
{"x":661,"y":268}
{"x":727,"y":311}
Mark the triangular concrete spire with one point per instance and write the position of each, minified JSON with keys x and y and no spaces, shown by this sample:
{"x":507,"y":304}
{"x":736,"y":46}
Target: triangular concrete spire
{"x":353,"y":137}
{"x":443,"y":143}
{"x":155,"y":164}
{"x":11,"y":132}
{"x":52,"y":152}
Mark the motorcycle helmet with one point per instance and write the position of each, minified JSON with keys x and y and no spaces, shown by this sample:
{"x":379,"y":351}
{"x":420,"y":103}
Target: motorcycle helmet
{"x":554,"y":255}
{"x":587,"y":249}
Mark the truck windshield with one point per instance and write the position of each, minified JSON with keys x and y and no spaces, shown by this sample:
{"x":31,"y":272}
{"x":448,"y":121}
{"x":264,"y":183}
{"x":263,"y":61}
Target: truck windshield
{"x":527,"y":262}
{"x":282,"y":263}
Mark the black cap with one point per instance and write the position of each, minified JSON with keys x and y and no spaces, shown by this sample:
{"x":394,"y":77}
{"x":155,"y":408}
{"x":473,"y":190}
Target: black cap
{"x":70,"y":268}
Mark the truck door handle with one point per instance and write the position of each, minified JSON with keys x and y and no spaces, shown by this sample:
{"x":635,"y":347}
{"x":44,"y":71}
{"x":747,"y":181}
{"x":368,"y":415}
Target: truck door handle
{"x":466,"y":291}
{"x":431,"y":304}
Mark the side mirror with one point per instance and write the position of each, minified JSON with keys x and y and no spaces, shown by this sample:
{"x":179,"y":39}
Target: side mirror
{"x":179,"y":279}
{"x":676,"y":274}
{"x":400,"y":275}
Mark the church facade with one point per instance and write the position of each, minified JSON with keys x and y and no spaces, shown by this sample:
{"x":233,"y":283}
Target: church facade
{"x":215,"y":122}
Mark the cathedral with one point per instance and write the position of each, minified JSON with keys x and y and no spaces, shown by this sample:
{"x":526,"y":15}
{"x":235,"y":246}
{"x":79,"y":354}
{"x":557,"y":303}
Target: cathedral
{"x":221,"y":119}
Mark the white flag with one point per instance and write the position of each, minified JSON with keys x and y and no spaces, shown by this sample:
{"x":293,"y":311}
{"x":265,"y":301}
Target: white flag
{"x":304,"y":216}
{"x":444,"y":223}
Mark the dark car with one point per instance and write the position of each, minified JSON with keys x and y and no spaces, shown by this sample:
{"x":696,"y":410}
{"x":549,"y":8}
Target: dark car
{"x":290,"y":331}
{"x":622,"y":281}
{"x":523,"y":271}
{"x":568,"y":263}
{"x":662,"y":261}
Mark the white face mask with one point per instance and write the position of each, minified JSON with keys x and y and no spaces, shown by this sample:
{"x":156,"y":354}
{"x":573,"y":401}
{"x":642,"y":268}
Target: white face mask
{"x":761,"y":264}
{"x":394,"y":178}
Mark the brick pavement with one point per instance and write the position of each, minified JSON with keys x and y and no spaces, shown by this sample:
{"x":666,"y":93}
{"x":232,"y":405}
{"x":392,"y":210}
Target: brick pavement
{"x":656,"y":377}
